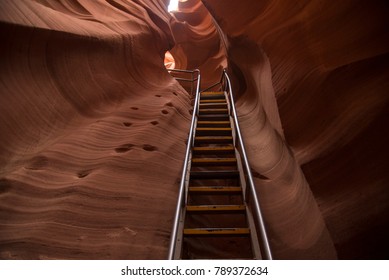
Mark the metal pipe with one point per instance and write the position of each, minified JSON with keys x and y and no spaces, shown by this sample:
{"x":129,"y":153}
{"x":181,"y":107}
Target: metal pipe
{"x":262,"y":229}
{"x":182,"y":70}
{"x":181,"y":193}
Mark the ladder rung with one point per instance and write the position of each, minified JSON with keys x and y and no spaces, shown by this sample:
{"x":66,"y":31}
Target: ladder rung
{"x":212,"y":92}
{"x":216,"y":231}
{"x":213,"y":111}
{"x":202,"y":131}
{"x":210,"y":97}
{"x":213,"y":139}
{"x":214,"y":150}
{"x":214,"y":117}
{"x":214,"y":208}
{"x":215,"y":174}
{"x":213,"y":161}
{"x":213,"y":101}
{"x":213,"y":105}
{"x":214,"y":129}
{"x":213,"y":124}
{"x":215,"y":190}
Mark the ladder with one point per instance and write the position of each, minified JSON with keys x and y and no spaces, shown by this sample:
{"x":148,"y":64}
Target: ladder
{"x":216,"y":217}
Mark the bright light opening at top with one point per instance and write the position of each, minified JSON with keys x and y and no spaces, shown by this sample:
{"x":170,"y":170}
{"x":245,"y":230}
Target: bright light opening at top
{"x":173,"y":5}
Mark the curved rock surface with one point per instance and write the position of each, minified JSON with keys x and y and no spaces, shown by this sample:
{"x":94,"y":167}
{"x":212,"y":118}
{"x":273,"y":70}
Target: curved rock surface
{"x":198,"y":43}
{"x":93,"y":128}
{"x":326,"y":65}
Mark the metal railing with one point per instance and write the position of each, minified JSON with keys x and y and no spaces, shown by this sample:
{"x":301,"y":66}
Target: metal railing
{"x":250,"y":187}
{"x":182,"y":190}
{"x":181,"y":76}
{"x":251,"y":195}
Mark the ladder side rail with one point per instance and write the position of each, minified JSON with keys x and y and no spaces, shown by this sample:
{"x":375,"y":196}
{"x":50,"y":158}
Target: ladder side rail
{"x":262,"y":229}
{"x":184,"y":79}
{"x":182,"y":191}
{"x":181,"y":70}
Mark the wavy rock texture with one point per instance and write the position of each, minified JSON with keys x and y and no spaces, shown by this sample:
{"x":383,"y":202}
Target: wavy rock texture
{"x":326,"y":64}
{"x":198,"y":44}
{"x":93,"y":129}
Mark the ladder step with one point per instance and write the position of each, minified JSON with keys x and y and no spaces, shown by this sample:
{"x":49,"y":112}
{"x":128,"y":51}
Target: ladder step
{"x":223,"y":100}
{"x":210,"y":97}
{"x":213,"y":139}
{"x":216,"y":231}
{"x":213,"y":161}
{"x":214,"y":174}
{"x":212,"y":92}
{"x":202,"y":209}
{"x":213,"y":124}
{"x":213,"y":111}
{"x":214,"y":150}
{"x":202,"y":131}
{"x":213,"y":105}
{"x":214,"y":117}
{"x":214,"y":190}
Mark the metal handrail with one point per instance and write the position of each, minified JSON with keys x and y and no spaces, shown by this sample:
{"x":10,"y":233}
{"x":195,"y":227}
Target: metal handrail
{"x":191,"y":80}
{"x":182,"y":190}
{"x":182,"y":70}
{"x":257,"y":209}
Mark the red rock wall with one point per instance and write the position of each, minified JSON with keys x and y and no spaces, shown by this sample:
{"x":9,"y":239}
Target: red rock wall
{"x":92,"y":130}
{"x":328,"y":70}
{"x":198,"y":44}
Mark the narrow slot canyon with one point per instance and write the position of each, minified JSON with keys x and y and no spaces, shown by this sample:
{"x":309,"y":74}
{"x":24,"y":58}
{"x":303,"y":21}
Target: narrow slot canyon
{"x":93,"y":128}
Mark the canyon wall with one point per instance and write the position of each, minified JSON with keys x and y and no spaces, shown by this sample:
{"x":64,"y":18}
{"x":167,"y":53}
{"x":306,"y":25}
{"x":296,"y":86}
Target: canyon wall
{"x":326,"y":65}
{"x":93,"y":129}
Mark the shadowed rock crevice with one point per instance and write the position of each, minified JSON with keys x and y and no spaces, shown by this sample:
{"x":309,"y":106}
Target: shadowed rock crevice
{"x":149,"y":148}
{"x":124,"y":148}
{"x":84,"y":173}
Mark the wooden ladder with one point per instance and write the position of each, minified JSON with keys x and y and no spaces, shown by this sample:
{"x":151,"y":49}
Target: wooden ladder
{"x":216,"y":223}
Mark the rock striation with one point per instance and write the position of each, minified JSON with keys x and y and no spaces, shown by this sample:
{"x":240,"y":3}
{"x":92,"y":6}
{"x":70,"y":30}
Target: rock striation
{"x":93,"y":128}
{"x":326,"y":66}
